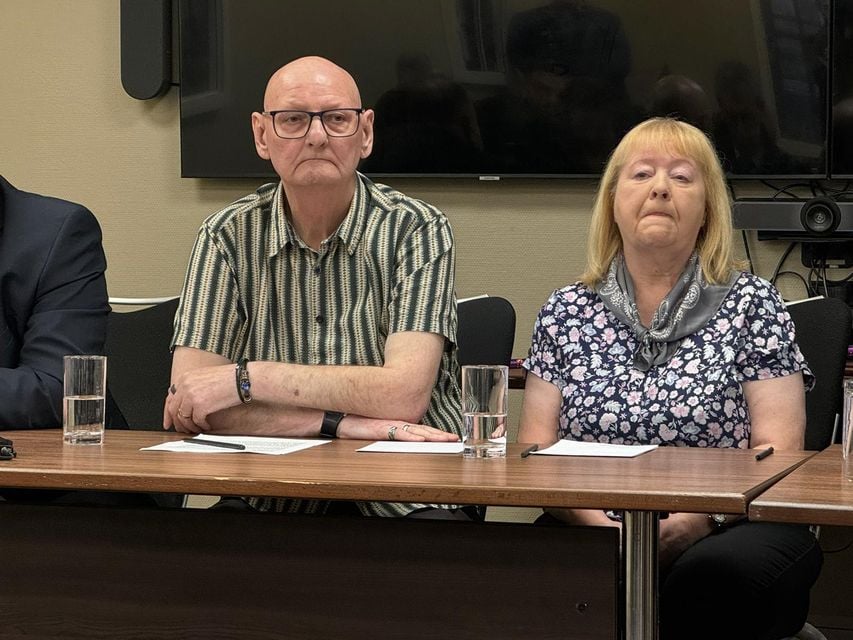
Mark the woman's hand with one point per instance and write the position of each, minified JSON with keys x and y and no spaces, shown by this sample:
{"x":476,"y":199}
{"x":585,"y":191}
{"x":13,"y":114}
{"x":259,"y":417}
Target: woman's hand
{"x":584,"y":517}
{"x":678,"y":533}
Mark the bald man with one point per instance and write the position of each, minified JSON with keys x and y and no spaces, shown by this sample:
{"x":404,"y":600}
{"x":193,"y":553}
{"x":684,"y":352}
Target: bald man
{"x":321,"y":305}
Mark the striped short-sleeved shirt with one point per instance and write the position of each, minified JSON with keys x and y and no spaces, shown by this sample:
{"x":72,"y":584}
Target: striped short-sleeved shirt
{"x":254,"y":289}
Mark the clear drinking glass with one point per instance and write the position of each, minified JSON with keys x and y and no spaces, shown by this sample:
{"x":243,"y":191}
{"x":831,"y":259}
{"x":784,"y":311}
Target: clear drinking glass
{"x":484,"y":407}
{"x":847,"y":426}
{"x":84,"y":399}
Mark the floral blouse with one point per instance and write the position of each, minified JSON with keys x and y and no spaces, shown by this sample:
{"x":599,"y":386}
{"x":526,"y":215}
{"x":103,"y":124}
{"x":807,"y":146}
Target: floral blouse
{"x":695,"y":399}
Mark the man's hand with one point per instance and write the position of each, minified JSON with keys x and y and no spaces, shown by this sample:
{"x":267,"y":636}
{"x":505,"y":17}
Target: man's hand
{"x":360,"y":428}
{"x":196,"y":394}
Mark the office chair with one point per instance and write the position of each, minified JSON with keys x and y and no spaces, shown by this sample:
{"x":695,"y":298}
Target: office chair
{"x":824,"y":330}
{"x":139,"y":366}
{"x":486,"y":330}
{"x":140,"y":362}
{"x":823,"y":327}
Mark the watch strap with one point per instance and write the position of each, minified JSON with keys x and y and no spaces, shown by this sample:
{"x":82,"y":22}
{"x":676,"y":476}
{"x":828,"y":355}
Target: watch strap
{"x":331,"y":420}
{"x":244,"y":385}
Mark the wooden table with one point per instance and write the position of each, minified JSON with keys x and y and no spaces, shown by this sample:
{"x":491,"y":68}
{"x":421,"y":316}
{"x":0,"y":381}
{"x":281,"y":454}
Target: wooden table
{"x":667,"y":479}
{"x":816,"y":493}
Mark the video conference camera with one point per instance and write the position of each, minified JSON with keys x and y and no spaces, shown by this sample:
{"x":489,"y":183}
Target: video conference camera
{"x":819,"y":218}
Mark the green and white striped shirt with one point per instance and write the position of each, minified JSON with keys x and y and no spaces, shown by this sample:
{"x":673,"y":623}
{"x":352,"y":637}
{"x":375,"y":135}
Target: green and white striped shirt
{"x":254,"y":289}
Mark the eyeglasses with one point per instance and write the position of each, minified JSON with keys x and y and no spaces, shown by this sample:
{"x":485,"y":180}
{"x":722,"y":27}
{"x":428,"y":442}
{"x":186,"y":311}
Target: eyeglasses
{"x":337,"y":123}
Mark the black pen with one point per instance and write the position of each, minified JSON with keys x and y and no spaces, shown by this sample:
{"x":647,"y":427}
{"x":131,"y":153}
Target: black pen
{"x":217,"y":443}
{"x":529,"y":450}
{"x":764,"y":453}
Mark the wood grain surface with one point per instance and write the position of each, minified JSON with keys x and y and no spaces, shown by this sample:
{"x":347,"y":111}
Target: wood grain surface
{"x":667,"y":479}
{"x":815,"y":493}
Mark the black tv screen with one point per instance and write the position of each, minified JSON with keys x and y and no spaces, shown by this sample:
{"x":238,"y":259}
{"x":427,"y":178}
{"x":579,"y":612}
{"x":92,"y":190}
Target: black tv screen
{"x":519,"y":88}
{"x":842,"y":91}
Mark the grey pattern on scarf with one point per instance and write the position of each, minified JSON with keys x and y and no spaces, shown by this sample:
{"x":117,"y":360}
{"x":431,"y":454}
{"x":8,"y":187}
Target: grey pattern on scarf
{"x":683,"y":311}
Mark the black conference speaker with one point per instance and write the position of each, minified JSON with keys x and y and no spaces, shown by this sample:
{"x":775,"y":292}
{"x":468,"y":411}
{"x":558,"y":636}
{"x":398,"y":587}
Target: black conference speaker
{"x":795,"y":218}
{"x":146,"y":47}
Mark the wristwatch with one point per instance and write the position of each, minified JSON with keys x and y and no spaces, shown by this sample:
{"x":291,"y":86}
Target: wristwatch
{"x":244,"y":385}
{"x":331,"y":420}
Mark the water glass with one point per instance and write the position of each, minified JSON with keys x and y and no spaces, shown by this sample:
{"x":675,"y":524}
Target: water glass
{"x":84,"y":399}
{"x":846,"y":427}
{"x":484,"y":406}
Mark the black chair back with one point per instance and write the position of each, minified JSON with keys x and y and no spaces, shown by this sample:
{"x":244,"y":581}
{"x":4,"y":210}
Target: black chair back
{"x":486,"y":331}
{"x":823,"y":327}
{"x":140,"y":362}
{"x":138,"y":372}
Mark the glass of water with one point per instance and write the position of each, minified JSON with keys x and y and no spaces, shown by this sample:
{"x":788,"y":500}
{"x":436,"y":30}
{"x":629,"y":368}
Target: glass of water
{"x":847,"y":427}
{"x":83,"y":403}
{"x":484,"y":406}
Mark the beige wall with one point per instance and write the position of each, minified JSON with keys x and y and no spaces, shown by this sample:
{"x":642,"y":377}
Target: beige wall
{"x":68,"y":129}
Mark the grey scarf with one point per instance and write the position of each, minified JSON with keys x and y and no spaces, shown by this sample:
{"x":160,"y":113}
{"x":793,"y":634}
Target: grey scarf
{"x":685,"y":309}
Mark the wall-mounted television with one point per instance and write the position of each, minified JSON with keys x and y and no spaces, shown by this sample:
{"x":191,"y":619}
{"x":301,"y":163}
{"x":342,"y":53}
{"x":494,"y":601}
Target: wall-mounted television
{"x":527,"y":88}
{"x":841,"y":130}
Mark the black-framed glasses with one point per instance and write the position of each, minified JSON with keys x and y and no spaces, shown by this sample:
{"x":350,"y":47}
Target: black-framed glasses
{"x":338,"y":123}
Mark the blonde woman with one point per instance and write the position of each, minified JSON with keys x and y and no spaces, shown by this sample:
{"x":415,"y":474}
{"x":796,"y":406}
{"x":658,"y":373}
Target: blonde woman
{"x":666,"y":341}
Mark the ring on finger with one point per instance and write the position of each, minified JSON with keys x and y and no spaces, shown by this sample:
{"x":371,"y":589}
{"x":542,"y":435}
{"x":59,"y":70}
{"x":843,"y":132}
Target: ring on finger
{"x":406,"y":427}
{"x":180,"y":413}
{"x":392,"y":432}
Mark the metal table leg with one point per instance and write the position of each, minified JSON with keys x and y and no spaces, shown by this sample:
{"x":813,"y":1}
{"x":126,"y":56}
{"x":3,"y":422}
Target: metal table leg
{"x":640,"y":557}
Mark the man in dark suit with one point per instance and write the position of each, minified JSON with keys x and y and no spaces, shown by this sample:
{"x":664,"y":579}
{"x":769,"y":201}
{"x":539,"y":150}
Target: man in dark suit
{"x":53,"y":301}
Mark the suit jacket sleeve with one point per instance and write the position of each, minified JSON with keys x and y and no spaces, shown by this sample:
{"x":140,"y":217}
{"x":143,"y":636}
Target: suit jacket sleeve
{"x":59,"y":306}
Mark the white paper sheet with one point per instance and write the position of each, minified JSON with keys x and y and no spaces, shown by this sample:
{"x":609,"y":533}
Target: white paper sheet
{"x":595,"y":449}
{"x":253,"y":444}
{"x":413,"y":447}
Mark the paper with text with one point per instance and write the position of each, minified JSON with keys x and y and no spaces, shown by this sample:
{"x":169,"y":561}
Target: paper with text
{"x":413,"y":447}
{"x":595,"y":449}
{"x":253,"y":444}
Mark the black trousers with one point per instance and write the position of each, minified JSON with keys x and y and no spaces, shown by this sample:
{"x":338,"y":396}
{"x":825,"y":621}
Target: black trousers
{"x":749,"y":581}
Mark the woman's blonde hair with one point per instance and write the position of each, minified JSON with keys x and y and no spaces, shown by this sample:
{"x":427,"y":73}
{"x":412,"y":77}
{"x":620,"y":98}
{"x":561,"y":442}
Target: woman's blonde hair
{"x":714,"y":243}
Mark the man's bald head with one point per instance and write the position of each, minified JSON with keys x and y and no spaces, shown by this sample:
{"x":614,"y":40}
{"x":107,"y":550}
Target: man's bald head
{"x":310,"y":70}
